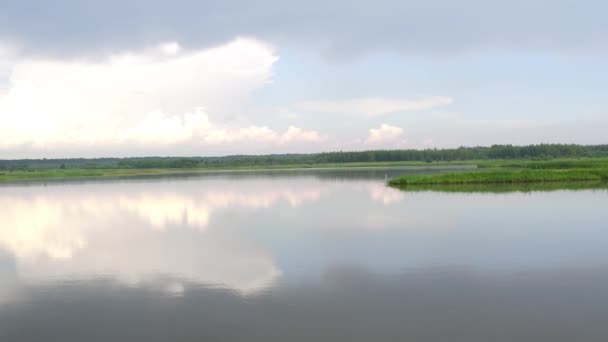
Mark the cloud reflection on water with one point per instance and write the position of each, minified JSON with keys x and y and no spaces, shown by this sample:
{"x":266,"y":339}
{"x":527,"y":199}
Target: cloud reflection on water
{"x":114,"y":231}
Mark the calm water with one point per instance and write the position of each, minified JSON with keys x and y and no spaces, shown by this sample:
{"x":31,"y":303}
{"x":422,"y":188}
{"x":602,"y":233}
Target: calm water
{"x":299,"y":256}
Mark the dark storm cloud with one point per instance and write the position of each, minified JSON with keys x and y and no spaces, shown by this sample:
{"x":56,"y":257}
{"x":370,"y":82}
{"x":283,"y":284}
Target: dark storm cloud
{"x":339,"y":29}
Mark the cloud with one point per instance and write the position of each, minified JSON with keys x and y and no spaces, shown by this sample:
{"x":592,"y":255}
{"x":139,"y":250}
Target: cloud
{"x":8,"y":56}
{"x":409,"y":26}
{"x":385,"y":134}
{"x":7,"y":52}
{"x":373,"y":106}
{"x":298,"y":134}
{"x":155,"y":97}
{"x":196,"y":127}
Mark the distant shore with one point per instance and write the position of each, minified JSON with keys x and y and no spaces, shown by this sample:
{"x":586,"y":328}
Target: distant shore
{"x":449,"y":174}
{"x":74,"y":173}
{"x":496,"y":164}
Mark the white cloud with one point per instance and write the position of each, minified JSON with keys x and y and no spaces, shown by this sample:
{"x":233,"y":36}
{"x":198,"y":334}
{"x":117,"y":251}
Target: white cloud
{"x":298,"y":134}
{"x":159,"y":96}
{"x":170,"y":48}
{"x":196,"y":127}
{"x":8,"y":54}
{"x":384,"y":135}
{"x":372,"y":106}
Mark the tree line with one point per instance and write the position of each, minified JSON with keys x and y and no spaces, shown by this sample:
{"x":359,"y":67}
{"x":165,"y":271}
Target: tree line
{"x":539,"y":152}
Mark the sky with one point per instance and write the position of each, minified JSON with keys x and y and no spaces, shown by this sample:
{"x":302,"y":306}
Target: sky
{"x":202,"y":78}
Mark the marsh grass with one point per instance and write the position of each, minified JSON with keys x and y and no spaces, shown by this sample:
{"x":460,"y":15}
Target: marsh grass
{"x":582,"y":163}
{"x":505,"y":176}
{"x":76,"y":173}
{"x":505,"y":188}
{"x":68,"y":173}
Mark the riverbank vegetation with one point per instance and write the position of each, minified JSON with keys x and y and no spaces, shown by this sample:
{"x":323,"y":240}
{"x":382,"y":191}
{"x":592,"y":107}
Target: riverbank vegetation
{"x":460,"y":155}
{"x":509,"y":172}
{"x":68,"y":173}
{"x":499,"y":164}
{"x":36,"y":174}
{"x":506,"y":177}
{"x":561,"y":163}
{"x":505,"y":188}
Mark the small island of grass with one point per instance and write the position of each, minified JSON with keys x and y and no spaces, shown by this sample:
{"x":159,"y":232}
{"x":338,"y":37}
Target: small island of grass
{"x":514,"y":173}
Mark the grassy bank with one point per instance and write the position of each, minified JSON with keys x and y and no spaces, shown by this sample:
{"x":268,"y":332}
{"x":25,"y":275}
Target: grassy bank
{"x":491,"y":172}
{"x":69,"y":173}
{"x":562,"y":163}
{"x":505,"y":188}
{"x":6,"y":176}
{"x":505,"y":176}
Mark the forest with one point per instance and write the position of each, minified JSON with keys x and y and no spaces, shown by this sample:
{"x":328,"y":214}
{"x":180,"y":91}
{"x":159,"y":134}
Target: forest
{"x":479,"y":153}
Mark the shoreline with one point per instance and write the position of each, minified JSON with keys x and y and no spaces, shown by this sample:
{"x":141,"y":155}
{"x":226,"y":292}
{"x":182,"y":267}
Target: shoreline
{"x":82,"y":173}
{"x":504,"y":176}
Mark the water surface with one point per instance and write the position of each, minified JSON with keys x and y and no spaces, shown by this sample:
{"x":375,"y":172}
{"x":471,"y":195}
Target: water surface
{"x":317,"y":255}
